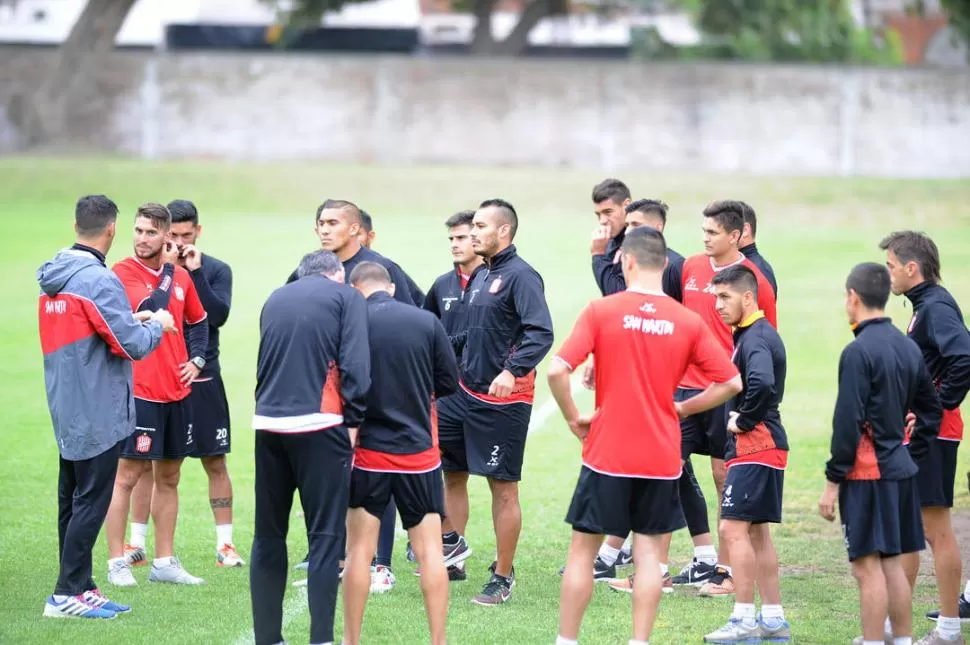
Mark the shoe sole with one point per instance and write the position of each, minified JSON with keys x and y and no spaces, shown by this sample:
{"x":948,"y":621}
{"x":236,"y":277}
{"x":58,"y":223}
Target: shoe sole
{"x":230,"y":566}
{"x":715,"y":594}
{"x":697,"y":585}
{"x":482,"y":603}
{"x":458,"y":559}
{"x":133,"y":583}
{"x":776,"y":639}
{"x":49,"y":612}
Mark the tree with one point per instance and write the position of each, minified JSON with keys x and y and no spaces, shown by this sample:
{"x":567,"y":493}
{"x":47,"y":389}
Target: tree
{"x":958,"y":12}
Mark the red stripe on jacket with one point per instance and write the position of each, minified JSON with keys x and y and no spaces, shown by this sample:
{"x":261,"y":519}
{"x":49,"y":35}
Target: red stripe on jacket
{"x":67,"y":318}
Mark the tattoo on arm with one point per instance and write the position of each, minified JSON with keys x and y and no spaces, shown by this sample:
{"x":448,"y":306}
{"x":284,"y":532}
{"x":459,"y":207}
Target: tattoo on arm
{"x":220,"y":502}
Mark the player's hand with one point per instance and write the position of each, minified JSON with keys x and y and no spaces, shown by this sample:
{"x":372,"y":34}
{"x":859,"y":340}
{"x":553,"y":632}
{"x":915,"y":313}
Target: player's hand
{"x":580,"y":426}
{"x":502,"y":386}
{"x":732,"y":425}
{"x":143,"y":316}
{"x":164,"y":317}
{"x":679,"y":408}
{"x":187,"y":372}
{"x":910,"y":423}
{"x":191,"y":257}
{"x":826,"y":504}
{"x":170,"y":253}
{"x":599,"y":241}
{"x":589,"y":377}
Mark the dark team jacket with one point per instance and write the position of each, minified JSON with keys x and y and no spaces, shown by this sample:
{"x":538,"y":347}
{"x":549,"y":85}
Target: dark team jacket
{"x":751,"y":252}
{"x":938,"y":328}
{"x":759,"y":355}
{"x":213,"y":283}
{"x":411,"y":365}
{"x":402,"y":291}
{"x":444,"y":300}
{"x":881,"y":376}
{"x":313,"y":367}
{"x":507,"y":325}
{"x":609,"y":273}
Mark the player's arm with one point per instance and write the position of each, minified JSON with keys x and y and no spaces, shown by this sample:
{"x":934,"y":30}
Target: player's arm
{"x":951,"y":338}
{"x":431,"y":300}
{"x":850,"y":413}
{"x":216,"y":297}
{"x":928,"y":411}
{"x":609,"y":276}
{"x":354,"y":359}
{"x":535,"y":340}
{"x":158,"y":299}
{"x":445,"y":363}
{"x":571,"y":355}
{"x":196,"y":323}
{"x":759,"y":383}
{"x":672,"y":278}
{"x":111,"y":318}
{"x":725,"y":380}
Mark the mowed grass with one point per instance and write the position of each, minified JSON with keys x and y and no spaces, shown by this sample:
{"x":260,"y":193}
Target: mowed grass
{"x":258,"y":218}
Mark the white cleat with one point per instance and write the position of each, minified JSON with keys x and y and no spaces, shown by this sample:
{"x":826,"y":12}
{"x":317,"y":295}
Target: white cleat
{"x":227,"y":556}
{"x":382,"y":579}
{"x":119,"y":574}
{"x":173,"y":573}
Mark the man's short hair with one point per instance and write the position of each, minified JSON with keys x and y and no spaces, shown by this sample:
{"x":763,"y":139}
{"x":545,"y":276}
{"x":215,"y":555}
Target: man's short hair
{"x":352,"y":210}
{"x":461,"y":218}
{"x":647,"y":246}
{"x":158,"y":214}
{"x":366,"y":221}
{"x":613,"y":189}
{"x":371,"y":272}
{"x":750,"y":217}
{"x":648,"y":207}
{"x":914,"y":246}
{"x":183,"y":210}
{"x":871,"y":282}
{"x":738,"y":277}
{"x":93,"y":213}
{"x":319,"y":262}
{"x":506,"y":210}
{"x":728,"y":213}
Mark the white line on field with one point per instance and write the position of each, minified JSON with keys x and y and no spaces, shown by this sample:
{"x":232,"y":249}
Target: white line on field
{"x":298,"y":601}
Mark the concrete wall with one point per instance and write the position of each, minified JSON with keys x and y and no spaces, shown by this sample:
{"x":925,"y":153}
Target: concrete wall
{"x":604,"y":115}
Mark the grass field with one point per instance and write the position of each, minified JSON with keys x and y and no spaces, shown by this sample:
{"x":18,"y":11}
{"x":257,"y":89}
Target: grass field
{"x":258,"y":218}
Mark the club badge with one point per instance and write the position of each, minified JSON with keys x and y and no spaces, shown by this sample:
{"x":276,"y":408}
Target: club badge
{"x":143,"y":444}
{"x":495,"y":286}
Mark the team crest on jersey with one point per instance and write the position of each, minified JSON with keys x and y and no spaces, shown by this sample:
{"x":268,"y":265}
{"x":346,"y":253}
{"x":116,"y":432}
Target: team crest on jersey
{"x":143,"y":444}
{"x":648,"y":308}
{"x":691,"y":284}
{"x":179,"y":293}
{"x":912,"y":323}
{"x":495,"y":286}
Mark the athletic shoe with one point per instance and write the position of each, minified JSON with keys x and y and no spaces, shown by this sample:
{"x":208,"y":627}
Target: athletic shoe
{"x":410,"y":553}
{"x":496,"y":591}
{"x":625,"y":585}
{"x":935,"y":638}
{"x":135,"y":556}
{"x":887,"y":640}
{"x":75,"y":607}
{"x":119,"y":574}
{"x":304,"y":565}
{"x":625,"y":559}
{"x":227,"y":556}
{"x":96,"y":598}
{"x":602,"y":572}
{"x":736,"y":631}
{"x":720,"y":584}
{"x":173,"y":573}
{"x":382,"y":579}
{"x":456,"y":573}
{"x":694,"y":574}
{"x":774,"y":630}
{"x":455,"y":553}
{"x":964,"y":606}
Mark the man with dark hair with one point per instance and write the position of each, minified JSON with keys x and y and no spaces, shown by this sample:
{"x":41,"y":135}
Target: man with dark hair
{"x":89,"y":339}
{"x":882,"y":375}
{"x":507,"y":334}
{"x":706,"y":434}
{"x":938,"y":329}
{"x":445,"y":300}
{"x":653,"y":213}
{"x":756,"y":456}
{"x":163,"y":432}
{"x":366,"y":237}
{"x":610,"y":198}
{"x":642,"y":342}
{"x":748,"y":246}
{"x":412,"y":365}
{"x":312,"y":377}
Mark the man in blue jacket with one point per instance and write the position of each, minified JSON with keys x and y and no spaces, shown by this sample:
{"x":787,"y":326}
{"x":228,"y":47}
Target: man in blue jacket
{"x":89,"y":338}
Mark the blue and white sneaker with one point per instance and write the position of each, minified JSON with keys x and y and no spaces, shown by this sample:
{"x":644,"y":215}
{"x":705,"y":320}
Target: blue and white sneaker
{"x":774,"y":630}
{"x":75,"y":607}
{"x":736,"y":631}
{"x":98,"y":599}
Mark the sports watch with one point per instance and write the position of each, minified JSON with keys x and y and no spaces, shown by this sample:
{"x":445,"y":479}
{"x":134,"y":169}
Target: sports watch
{"x":199,"y":362}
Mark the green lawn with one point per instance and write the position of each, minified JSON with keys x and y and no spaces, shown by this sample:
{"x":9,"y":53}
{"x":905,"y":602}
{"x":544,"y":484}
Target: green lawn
{"x":258,"y":218}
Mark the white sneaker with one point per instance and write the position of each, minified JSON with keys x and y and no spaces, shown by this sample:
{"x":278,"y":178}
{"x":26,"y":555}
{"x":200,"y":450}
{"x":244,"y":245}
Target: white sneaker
{"x":736,"y":631}
{"x":119,"y":574}
{"x":173,"y":573}
{"x":227,"y":556}
{"x":382,"y":579}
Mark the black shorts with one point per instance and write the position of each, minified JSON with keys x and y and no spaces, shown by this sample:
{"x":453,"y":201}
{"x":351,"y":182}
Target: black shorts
{"x":416,"y":494}
{"x":704,"y":433}
{"x":937,"y":474}
{"x":881,"y":517}
{"x":752,"y":493}
{"x":492,"y":440}
{"x":210,"y":418}
{"x":608,"y":505}
{"x":162,"y":431}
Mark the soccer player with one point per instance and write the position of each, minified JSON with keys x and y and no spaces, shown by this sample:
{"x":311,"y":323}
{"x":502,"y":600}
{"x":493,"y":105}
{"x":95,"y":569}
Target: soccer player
{"x":508,"y":332}
{"x":882,"y":375}
{"x":312,"y":377}
{"x":642,"y":342}
{"x":412,"y":364}
{"x":938,"y":329}
{"x":445,"y":300}
{"x":366,"y":237}
{"x":756,"y":456}
{"x":610,"y":198}
{"x":750,"y":248}
{"x":89,"y":339}
{"x":706,"y":433}
{"x":163,"y":422}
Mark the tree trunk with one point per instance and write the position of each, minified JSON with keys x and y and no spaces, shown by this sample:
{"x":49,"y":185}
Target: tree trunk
{"x":483,"y":42}
{"x":518,"y":41}
{"x":44,"y":114}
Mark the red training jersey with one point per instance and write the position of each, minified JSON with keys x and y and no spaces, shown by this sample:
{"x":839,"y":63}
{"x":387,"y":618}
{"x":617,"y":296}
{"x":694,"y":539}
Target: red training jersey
{"x":698,"y":291}
{"x":157,"y":375}
{"x":642,"y":344}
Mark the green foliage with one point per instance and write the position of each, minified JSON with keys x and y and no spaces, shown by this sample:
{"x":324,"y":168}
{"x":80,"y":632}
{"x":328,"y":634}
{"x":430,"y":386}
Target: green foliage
{"x":958,"y":12}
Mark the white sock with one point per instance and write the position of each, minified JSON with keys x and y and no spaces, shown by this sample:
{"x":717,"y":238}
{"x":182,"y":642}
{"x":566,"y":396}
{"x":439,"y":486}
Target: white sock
{"x":628,"y":546}
{"x":903,"y":640}
{"x":608,"y":554}
{"x":664,"y":569}
{"x":162,"y":562}
{"x":223,"y":535}
{"x":59,"y":597}
{"x":948,"y":627}
{"x":888,"y":626}
{"x":138,"y":533}
{"x":744,"y":611}
{"x":772,"y":611}
{"x":706,"y":554}
{"x":561,"y":640}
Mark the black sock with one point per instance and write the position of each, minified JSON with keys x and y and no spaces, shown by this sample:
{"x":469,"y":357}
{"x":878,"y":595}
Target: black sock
{"x":451,"y":538}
